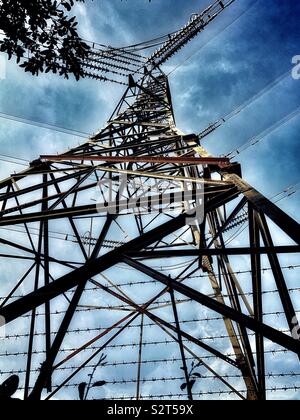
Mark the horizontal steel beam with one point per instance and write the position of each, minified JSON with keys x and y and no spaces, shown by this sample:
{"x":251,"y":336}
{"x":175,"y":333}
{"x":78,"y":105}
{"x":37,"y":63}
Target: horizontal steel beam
{"x":43,"y":200}
{"x":17,"y":193}
{"x":49,"y":215}
{"x":222,"y":162}
{"x":215,"y":252}
{"x":153,"y":202}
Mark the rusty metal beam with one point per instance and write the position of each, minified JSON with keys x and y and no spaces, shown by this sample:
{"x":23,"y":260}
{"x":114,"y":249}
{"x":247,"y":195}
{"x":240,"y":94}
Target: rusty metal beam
{"x":221,"y":162}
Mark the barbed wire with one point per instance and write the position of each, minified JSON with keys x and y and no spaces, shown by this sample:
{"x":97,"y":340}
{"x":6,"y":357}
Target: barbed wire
{"x":181,"y":378}
{"x":147,"y":282}
{"x":278,"y":313}
{"x":269,"y":375}
{"x":117,"y":346}
{"x":137,"y":326}
{"x":160,"y":303}
{"x":294,"y":388}
{"x":273,"y":352}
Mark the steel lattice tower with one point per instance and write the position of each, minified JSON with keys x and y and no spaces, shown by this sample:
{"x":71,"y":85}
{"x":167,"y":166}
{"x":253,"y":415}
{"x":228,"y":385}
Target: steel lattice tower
{"x":107,"y":199}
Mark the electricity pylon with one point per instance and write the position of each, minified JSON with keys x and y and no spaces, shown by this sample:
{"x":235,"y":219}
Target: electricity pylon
{"x":141,"y":195}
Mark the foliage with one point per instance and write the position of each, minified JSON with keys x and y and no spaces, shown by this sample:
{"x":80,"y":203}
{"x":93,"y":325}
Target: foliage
{"x":42,"y":36}
{"x":84,"y":388}
{"x":9,"y":388}
{"x":193,"y":376}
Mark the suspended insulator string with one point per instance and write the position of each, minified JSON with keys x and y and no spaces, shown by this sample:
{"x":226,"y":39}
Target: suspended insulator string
{"x":66,"y":237}
{"x":114,"y":61}
{"x":96,"y":76}
{"x":102,"y":69}
{"x":188,"y":32}
{"x":111,"y":54}
{"x":213,"y":38}
{"x":100,"y":65}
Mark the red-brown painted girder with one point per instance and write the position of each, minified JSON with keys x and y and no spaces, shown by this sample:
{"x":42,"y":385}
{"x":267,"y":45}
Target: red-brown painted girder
{"x":219,"y":161}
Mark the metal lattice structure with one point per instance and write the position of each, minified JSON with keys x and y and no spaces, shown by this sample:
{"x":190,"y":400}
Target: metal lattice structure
{"x":103,"y":257}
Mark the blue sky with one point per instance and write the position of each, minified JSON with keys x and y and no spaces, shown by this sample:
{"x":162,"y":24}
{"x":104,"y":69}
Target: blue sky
{"x":249,"y":46}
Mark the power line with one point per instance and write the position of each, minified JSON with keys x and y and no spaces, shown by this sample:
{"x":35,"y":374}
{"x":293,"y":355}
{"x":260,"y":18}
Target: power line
{"x":257,"y":139}
{"x":13,"y":160}
{"x":212,"y":38}
{"x":222,"y":120}
{"x":44,"y":125}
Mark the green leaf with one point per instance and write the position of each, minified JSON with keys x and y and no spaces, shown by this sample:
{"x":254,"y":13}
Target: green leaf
{"x":9,"y":387}
{"x":98,"y":384}
{"x":81,"y":390}
{"x":192,"y":383}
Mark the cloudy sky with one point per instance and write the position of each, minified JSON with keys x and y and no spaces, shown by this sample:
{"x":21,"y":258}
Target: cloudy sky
{"x":248,"y":47}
